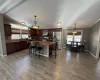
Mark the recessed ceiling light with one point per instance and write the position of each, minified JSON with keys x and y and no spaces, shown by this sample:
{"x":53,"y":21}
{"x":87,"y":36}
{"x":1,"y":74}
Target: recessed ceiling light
{"x":23,"y":22}
{"x":59,"y":23}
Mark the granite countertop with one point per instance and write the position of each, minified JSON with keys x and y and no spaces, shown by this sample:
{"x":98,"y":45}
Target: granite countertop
{"x":11,"y":41}
{"x":48,"y":43}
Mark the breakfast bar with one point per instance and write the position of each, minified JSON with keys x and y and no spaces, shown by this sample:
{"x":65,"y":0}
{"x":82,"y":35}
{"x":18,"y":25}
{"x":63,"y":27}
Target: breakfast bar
{"x":47,"y":45}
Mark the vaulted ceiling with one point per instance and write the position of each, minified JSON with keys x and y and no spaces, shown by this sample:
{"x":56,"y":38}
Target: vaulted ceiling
{"x":83,"y":12}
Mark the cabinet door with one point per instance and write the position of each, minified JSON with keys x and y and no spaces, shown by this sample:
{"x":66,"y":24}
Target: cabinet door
{"x":7,"y":29}
{"x":23,"y":45}
{"x":10,"y":48}
{"x":50,"y":32}
{"x":40,"y":33}
{"x":33,"y":32}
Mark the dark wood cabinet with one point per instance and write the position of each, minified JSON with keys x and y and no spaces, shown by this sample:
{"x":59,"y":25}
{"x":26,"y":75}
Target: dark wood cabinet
{"x":7,"y":29}
{"x":40,"y":33}
{"x":23,"y":45}
{"x":10,"y":48}
{"x":16,"y":46}
{"x":35,"y":34}
{"x":50,"y":32}
{"x":32,"y":32}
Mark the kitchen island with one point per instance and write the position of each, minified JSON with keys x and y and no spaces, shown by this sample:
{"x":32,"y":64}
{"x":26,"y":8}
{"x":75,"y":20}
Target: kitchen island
{"x":47,"y":47}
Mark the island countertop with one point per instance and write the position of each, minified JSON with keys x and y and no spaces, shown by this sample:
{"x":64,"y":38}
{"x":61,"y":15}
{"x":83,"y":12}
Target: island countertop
{"x":48,"y":43}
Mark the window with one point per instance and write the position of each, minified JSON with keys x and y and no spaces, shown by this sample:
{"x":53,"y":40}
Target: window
{"x":76,"y":38}
{"x":19,"y":36}
{"x":69,"y":38}
{"x":15,"y":36}
{"x":24,"y":36}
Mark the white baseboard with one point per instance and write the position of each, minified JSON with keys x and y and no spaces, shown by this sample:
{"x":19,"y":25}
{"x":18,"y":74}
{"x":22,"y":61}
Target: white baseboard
{"x":91,"y":54}
{"x":2,"y":55}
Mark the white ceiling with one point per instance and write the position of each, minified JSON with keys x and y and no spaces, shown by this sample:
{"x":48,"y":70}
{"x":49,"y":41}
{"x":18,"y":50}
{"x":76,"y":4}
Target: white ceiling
{"x":84,"y":12}
{"x":2,"y":1}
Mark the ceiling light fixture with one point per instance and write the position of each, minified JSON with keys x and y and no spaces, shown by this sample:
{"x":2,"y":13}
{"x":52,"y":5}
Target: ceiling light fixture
{"x":35,"y":22}
{"x":74,"y":30}
{"x":59,"y":23}
{"x":23,"y":23}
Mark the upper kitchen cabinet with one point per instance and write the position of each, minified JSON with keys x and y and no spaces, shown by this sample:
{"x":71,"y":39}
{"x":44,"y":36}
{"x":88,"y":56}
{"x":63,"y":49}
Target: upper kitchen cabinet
{"x":50,"y":32}
{"x":32,"y":32}
{"x":40,"y":32}
{"x":7,"y":29}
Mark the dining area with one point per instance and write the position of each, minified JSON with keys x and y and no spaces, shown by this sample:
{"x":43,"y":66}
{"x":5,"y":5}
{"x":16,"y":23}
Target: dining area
{"x":77,"y":46}
{"x":76,"y":41}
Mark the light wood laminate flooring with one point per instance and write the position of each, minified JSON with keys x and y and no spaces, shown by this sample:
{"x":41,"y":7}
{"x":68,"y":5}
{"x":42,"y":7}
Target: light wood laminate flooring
{"x":67,"y":66}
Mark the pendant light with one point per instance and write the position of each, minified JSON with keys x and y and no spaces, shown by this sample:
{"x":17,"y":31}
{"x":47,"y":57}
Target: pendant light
{"x":35,"y":23}
{"x":74,"y":30}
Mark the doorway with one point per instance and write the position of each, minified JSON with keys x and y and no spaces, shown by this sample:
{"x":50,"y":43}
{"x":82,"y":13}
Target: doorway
{"x":98,"y":51}
{"x":98,"y":46}
{"x":58,"y":36}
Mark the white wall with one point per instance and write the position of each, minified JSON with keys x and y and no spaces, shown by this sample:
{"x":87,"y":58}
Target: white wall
{"x":2,"y":37}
